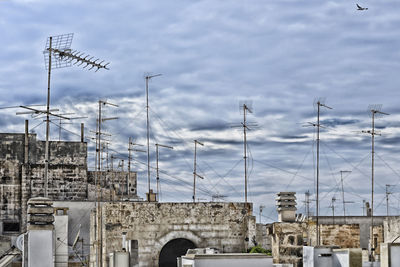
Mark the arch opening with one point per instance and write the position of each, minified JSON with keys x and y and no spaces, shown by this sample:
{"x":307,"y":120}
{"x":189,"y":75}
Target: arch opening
{"x":173,"y":249}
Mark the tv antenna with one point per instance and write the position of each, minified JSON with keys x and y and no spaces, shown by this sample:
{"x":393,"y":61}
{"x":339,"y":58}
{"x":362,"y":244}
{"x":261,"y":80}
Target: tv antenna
{"x":148,"y":77}
{"x":320,"y":102}
{"x":59,"y":47}
{"x":245,"y":107}
{"x":374,"y":111}
{"x":131,"y":148}
{"x":157,"y":168}
{"x":195,"y":169}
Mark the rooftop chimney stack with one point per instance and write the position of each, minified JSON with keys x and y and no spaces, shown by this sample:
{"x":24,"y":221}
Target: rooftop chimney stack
{"x":286,"y":206}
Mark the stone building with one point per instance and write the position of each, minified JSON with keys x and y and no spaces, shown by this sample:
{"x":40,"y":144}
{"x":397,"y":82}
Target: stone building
{"x":22,"y":167}
{"x":157,"y":233}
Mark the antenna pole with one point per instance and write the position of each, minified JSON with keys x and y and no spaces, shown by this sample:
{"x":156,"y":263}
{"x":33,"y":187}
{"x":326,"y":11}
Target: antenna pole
{"x":317,"y":206}
{"x":157,"y":168}
{"x":158,"y":175}
{"x":148,"y":134}
{"x":372,"y":184}
{"x":148,"y":77}
{"x":373,"y":111}
{"x":319,"y":104}
{"x":344,"y":205}
{"x":194,"y":169}
{"x":46,"y":153}
{"x":129,"y":166}
{"x":245,"y":152}
{"x":387,"y":199}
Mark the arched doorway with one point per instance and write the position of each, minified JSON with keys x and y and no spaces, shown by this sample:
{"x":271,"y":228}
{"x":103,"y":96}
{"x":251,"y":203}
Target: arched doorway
{"x":173,"y":249}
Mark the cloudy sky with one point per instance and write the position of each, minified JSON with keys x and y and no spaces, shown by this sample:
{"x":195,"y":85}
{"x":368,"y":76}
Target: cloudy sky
{"x":277,"y":55}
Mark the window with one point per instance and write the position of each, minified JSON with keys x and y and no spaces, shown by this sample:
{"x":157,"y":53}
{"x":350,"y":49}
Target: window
{"x":10,"y":227}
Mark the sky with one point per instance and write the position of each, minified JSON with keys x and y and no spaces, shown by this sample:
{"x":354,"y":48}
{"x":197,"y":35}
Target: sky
{"x":277,"y":56}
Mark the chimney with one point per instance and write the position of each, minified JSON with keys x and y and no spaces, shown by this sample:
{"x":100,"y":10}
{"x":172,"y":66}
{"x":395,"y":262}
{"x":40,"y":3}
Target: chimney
{"x":40,"y":249}
{"x":286,"y":206}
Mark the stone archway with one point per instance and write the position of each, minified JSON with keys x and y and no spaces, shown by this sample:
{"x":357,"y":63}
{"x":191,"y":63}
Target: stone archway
{"x":173,"y":249}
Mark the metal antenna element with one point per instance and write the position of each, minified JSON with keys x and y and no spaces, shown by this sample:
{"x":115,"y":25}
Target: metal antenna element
{"x":194,"y":169}
{"x":319,"y":104}
{"x":158,"y":175}
{"x":344,"y":202}
{"x":147,"y":78}
{"x":387,"y":198}
{"x":261,"y":210}
{"x":374,"y":111}
{"x":59,"y":47}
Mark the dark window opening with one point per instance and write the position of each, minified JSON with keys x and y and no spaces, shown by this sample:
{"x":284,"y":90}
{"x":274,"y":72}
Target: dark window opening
{"x":10,"y":227}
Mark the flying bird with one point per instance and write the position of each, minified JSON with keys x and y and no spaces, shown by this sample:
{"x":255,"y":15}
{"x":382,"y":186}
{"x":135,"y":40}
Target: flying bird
{"x":361,"y":8}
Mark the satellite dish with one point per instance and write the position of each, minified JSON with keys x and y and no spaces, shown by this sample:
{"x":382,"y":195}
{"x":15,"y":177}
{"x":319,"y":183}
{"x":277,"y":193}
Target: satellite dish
{"x":19,"y":243}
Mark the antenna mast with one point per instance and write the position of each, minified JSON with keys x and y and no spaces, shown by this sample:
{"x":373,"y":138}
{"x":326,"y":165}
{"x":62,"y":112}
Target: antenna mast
{"x":59,"y":48}
{"x":158,"y":176}
{"x":387,"y":198}
{"x":318,"y":125}
{"x":148,"y":77}
{"x":375,"y":111}
{"x":245,"y":127}
{"x":194,"y":169}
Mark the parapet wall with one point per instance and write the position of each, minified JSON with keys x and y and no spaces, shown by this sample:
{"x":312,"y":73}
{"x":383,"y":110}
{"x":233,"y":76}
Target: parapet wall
{"x":225,"y":226}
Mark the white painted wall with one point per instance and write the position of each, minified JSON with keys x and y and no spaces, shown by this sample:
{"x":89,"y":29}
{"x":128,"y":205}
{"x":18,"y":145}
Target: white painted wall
{"x":40,"y":248}
{"x":227,"y":261}
{"x":61,"y":240}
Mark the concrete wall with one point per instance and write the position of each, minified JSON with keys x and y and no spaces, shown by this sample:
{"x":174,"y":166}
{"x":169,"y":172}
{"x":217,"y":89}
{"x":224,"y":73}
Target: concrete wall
{"x":225,"y":226}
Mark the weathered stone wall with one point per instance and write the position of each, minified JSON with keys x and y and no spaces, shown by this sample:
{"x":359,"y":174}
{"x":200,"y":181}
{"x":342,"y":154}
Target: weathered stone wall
{"x":287,"y":242}
{"x":344,"y":236}
{"x":22,"y":175}
{"x":225,"y":226}
{"x":363,"y":221}
{"x":262,"y":238}
{"x":287,"y":239}
{"x":116,"y":185}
